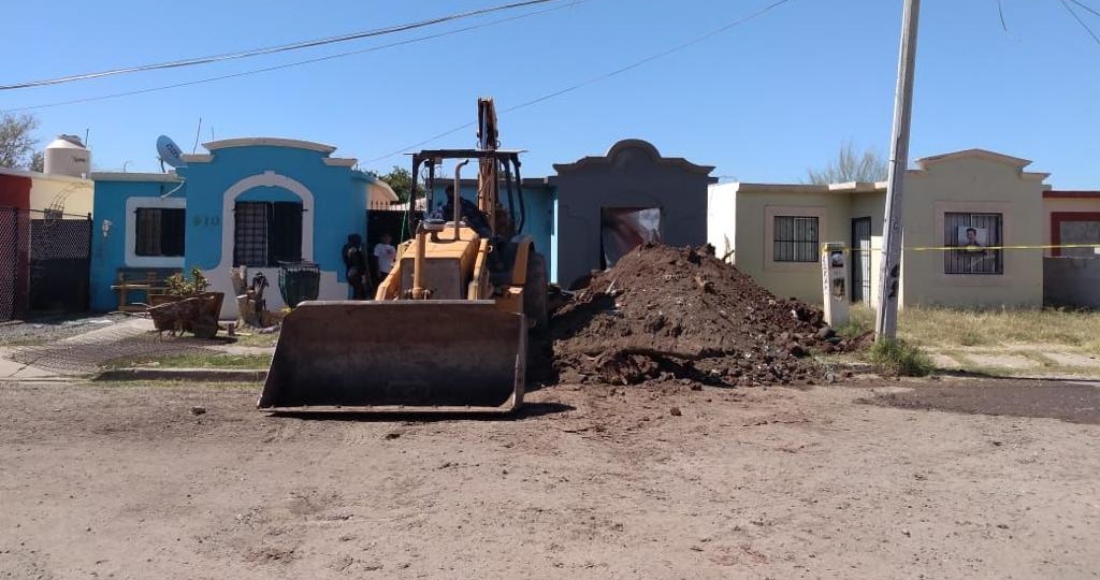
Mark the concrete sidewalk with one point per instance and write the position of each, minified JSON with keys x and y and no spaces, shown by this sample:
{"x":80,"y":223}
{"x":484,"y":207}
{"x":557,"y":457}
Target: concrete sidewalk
{"x":1020,"y":361}
{"x":85,"y":354}
{"x":16,"y":371}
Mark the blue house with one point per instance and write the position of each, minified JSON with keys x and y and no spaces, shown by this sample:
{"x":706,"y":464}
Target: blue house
{"x":251,"y":202}
{"x":257,"y":202}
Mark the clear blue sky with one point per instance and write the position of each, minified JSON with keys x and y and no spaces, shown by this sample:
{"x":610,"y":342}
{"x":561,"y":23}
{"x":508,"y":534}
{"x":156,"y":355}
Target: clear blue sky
{"x":762,"y":102}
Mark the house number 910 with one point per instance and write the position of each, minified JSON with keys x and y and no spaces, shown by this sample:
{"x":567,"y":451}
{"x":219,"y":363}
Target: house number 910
{"x":206,"y":220}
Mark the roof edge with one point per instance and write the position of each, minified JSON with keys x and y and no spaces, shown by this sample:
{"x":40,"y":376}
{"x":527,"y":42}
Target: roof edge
{"x":149,"y":177}
{"x":975,"y":153}
{"x":269,"y":142}
{"x":640,"y":144}
{"x":40,"y":175}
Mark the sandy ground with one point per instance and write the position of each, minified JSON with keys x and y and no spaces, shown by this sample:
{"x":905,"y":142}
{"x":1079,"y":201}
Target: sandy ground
{"x":124,"y":482}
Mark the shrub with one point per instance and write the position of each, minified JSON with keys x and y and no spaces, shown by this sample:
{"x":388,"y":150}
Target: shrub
{"x":180,"y":286}
{"x":899,"y":358}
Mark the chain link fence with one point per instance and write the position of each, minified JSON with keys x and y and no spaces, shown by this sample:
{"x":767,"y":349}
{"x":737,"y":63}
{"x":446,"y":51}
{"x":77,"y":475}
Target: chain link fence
{"x":14,"y":244}
{"x":60,"y":261}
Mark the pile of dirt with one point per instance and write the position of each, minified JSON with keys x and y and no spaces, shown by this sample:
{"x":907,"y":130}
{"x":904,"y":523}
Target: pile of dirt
{"x":664,"y":313}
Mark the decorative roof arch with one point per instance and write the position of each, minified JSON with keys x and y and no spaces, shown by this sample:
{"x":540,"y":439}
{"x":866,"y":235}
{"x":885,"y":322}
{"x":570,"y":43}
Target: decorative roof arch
{"x":269,"y":142}
{"x":983,"y":154}
{"x":627,"y":149}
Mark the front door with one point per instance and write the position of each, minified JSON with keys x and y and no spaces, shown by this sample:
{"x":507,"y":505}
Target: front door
{"x":861,"y":259}
{"x":60,"y":264}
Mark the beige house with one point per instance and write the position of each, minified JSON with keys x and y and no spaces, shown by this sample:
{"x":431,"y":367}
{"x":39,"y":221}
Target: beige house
{"x":955,"y":206}
{"x":45,"y":191}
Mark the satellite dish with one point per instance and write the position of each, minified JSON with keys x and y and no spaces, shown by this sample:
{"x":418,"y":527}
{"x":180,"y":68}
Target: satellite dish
{"x":169,"y":152}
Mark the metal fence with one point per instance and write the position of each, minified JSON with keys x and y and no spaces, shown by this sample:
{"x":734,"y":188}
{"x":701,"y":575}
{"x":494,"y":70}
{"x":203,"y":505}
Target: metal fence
{"x":60,"y":261}
{"x":14,"y":239}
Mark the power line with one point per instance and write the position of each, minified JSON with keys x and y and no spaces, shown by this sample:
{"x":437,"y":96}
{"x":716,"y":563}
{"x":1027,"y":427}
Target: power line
{"x":1077,"y":17}
{"x":601,"y":77}
{"x":1086,"y":7}
{"x":275,"y":49}
{"x":296,"y":63}
{"x":1001,"y":13}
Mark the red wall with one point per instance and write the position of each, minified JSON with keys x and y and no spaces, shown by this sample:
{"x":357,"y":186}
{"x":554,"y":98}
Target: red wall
{"x":15,"y":191}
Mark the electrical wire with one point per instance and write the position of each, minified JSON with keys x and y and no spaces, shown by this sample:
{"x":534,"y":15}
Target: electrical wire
{"x":602,"y":77}
{"x":1077,"y":17}
{"x":275,"y":49}
{"x":296,"y":63}
{"x":1086,"y":7}
{"x":1001,"y":13}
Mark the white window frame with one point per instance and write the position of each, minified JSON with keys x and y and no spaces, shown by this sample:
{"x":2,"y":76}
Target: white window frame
{"x":132,"y":205}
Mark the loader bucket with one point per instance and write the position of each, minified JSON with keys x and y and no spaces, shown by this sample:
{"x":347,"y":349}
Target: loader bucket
{"x":398,"y":356}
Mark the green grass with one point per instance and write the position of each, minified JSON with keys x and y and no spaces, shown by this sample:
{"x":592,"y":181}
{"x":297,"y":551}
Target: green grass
{"x":899,"y":358}
{"x":200,"y":361}
{"x":23,"y":342}
{"x":969,"y":327}
{"x":256,"y":339}
{"x":861,"y":320}
{"x":227,"y":385}
{"x":934,"y":327}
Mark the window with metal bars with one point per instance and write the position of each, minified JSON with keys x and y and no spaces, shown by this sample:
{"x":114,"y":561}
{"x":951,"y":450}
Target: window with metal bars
{"x":267,"y":233}
{"x":795,"y":239}
{"x":160,"y":231}
{"x":973,"y":234}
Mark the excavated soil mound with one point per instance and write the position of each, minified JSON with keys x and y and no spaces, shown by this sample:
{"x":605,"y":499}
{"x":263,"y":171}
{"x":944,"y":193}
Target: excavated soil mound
{"x":664,"y":313}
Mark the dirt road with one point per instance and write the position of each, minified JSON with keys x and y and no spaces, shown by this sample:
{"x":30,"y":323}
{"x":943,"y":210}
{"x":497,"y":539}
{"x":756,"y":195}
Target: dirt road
{"x":124,"y":482}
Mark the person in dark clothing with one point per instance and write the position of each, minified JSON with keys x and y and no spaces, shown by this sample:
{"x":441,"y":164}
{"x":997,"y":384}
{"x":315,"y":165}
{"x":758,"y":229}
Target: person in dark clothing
{"x":355,"y":263}
{"x":477,"y":221}
{"x":471,"y":214}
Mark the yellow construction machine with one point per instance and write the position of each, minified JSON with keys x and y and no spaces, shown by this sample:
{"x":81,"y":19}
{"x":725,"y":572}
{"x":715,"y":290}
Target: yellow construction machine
{"x":448,"y":328}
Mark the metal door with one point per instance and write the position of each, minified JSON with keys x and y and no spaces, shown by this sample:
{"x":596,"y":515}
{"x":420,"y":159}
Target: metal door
{"x":861,"y":259}
{"x":60,"y":262}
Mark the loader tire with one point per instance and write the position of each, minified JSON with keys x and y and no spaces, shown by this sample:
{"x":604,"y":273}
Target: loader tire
{"x":536,"y":293}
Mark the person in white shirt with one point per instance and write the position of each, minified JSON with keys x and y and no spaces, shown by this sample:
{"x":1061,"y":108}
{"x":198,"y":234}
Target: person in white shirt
{"x":385,"y":253}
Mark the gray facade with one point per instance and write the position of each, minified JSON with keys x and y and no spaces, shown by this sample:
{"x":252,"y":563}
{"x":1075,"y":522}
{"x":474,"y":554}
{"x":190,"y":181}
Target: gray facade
{"x":1071,"y":282}
{"x":633,"y":175}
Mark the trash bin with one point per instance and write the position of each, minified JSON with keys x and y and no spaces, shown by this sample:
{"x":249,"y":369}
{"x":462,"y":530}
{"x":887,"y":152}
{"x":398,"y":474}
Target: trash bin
{"x":299,"y":281}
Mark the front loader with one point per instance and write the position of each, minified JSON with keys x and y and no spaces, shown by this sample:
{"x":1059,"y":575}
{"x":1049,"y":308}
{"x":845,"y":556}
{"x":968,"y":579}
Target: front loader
{"x":448,"y":328}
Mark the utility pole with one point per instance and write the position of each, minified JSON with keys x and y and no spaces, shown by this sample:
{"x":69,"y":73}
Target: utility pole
{"x":886,"y":318}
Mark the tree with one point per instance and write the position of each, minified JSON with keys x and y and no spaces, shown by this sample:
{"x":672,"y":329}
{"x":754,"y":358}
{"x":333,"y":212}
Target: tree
{"x":851,"y":166}
{"x":17,"y":141}
{"x":399,"y":180}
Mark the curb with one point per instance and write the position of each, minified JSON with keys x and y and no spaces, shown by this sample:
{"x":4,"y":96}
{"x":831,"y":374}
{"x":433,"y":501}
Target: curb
{"x":198,"y":375}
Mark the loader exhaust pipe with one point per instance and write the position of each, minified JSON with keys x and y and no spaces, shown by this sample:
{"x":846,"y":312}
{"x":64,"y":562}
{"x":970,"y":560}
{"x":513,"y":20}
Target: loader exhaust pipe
{"x":418,"y":292}
{"x":458,"y":195}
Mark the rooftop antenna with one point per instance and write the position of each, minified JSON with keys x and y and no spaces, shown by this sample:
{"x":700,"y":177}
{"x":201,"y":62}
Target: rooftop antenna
{"x":86,"y":131}
{"x":197,"y":133}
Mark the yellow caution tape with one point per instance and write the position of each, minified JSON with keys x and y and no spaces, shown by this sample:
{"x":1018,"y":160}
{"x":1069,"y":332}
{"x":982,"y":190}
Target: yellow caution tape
{"x":825,"y":249}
